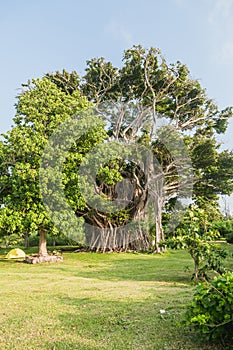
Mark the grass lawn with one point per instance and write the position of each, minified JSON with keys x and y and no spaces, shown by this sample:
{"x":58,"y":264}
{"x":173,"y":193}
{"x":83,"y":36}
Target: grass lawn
{"x":97,"y":301}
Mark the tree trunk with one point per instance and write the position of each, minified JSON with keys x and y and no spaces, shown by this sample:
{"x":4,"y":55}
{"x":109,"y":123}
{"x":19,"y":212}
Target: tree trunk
{"x":117,"y":238}
{"x":26,"y":240}
{"x":196,"y":271}
{"x":196,"y":266}
{"x":54,"y":241}
{"x":159,"y":234}
{"x":42,"y":243}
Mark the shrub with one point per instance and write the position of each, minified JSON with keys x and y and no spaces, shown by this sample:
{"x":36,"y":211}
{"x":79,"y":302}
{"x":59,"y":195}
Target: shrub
{"x":211,"y":312}
{"x":229,"y":237}
{"x":195,"y":235}
{"x":9,"y":241}
{"x":225,"y":227}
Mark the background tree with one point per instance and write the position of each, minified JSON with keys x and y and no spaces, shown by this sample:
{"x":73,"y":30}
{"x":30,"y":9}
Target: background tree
{"x":40,"y":108}
{"x":147,"y":81}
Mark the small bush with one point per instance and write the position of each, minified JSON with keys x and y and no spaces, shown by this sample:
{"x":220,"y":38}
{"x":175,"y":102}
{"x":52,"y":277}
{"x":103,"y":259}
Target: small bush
{"x":225,"y":227}
{"x":60,"y":240}
{"x":229,"y":237}
{"x":211,"y":312}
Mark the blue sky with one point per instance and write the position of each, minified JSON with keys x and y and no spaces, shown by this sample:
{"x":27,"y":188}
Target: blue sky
{"x":47,"y":35}
{"x":43,"y":36}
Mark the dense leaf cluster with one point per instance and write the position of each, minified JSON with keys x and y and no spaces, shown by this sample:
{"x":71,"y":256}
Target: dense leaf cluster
{"x":211,"y":311}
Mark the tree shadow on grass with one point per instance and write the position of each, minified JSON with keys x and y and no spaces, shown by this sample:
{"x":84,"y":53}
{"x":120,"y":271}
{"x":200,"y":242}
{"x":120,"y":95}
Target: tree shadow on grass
{"x":11,"y":261}
{"x":142,"y":269}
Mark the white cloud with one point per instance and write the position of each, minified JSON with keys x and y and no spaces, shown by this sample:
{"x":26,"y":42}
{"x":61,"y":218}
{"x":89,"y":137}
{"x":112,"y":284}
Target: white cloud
{"x":119,"y":32}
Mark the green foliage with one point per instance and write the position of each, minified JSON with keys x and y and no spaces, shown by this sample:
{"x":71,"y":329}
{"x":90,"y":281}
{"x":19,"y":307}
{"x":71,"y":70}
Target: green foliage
{"x":195,"y":235}
{"x":229,"y":237}
{"x":213,"y":169}
{"x":58,"y":240}
{"x":211,"y":311}
{"x":67,"y":82}
{"x":8,"y":241}
{"x":225,"y":227}
{"x":41,"y":107}
{"x":110,"y":175}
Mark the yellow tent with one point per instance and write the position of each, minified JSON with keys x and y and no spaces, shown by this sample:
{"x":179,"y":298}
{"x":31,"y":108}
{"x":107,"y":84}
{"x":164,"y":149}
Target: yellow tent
{"x":15,"y":254}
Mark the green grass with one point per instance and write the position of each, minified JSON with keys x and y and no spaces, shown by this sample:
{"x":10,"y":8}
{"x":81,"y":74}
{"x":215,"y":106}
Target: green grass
{"x":97,"y":301}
